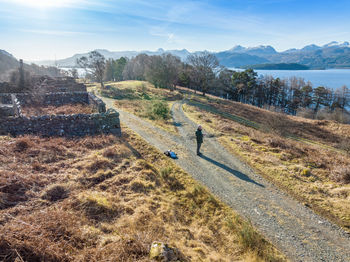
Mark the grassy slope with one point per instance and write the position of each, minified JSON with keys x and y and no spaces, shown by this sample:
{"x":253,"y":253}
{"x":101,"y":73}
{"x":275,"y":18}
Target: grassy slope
{"x":314,"y":169}
{"x":292,"y":152}
{"x":102,"y":198}
{"x":137,"y":97}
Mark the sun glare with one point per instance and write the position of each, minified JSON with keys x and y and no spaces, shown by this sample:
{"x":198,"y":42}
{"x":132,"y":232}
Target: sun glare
{"x":44,"y":3}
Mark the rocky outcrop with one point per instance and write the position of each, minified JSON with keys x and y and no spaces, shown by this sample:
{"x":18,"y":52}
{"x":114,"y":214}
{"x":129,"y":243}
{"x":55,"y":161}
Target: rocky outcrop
{"x":162,"y":252}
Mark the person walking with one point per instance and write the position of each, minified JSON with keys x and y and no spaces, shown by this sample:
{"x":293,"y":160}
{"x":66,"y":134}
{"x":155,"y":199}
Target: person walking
{"x":199,"y":138}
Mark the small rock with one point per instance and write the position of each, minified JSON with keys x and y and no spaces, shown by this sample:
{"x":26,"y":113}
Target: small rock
{"x":161,"y":252}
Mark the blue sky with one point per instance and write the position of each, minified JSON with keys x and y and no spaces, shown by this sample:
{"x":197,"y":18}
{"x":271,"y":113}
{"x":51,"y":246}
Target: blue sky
{"x":45,"y":29}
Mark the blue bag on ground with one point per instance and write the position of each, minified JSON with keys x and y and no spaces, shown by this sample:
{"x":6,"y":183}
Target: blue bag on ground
{"x":171,"y":154}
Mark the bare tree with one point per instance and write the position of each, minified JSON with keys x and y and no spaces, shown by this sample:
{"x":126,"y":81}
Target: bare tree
{"x":205,"y":66}
{"x":73,"y":73}
{"x":95,"y":63}
{"x":136,"y":67}
{"x":163,"y":71}
{"x":342,"y":98}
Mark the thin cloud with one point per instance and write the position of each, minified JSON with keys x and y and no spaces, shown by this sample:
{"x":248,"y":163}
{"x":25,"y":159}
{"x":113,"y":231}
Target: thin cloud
{"x":56,"y":32}
{"x":169,"y":37}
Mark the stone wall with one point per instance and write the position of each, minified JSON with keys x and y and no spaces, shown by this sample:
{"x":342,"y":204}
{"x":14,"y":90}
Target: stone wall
{"x":6,"y":106}
{"x":5,"y":99}
{"x":14,"y":123}
{"x":17,"y":110}
{"x":6,"y":111}
{"x":58,"y":84}
{"x":44,"y":84}
{"x":96,"y":103}
{"x":6,"y":87}
{"x":63,"y":125}
{"x":54,"y":99}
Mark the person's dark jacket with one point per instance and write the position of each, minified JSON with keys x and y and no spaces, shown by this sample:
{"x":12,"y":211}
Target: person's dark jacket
{"x":199,"y":136}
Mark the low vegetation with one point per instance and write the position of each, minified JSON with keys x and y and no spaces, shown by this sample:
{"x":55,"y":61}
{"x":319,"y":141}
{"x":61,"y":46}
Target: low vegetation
{"x":105,"y":198}
{"x":144,"y":100}
{"x":292,"y":152}
{"x":57,"y":110}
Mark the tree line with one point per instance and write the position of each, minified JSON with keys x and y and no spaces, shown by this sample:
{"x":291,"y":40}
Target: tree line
{"x":203,"y":73}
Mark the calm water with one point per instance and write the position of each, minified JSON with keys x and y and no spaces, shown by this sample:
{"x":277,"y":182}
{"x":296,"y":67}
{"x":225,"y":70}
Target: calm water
{"x":332,"y":78}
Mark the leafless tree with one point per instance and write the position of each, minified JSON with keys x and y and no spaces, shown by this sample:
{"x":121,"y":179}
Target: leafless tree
{"x":163,"y":71}
{"x":95,"y":63}
{"x":205,"y":66}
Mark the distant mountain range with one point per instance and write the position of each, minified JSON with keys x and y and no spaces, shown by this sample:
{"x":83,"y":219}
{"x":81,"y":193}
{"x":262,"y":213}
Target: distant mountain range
{"x":71,"y":61}
{"x":331,"y":55}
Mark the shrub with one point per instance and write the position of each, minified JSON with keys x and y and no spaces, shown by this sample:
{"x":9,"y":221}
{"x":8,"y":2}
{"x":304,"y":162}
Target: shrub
{"x":336,"y":115}
{"x":306,"y":113}
{"x":55,"y":192}
{"x":22,"y":144}
{"x":99,"y":163}
{"x":98,"y":206}
{"x":345,"y":145}
{"x":249,"y":238}
{"x":110,"y":152}
{"x":341,"y":174}
{"x":138,"y":187}
{"x":305,"y":172}
{"x":170,"y":179}
{"x":165,"y":172}
{"x":158,"y":110}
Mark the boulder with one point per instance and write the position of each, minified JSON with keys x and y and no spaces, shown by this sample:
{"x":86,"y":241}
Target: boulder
{"x":162,"y":252}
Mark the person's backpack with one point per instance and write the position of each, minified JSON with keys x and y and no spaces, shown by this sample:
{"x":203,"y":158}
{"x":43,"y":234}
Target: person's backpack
{"x":171,"y":154}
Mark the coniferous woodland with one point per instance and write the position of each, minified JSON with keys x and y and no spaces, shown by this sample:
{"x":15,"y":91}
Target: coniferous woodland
{"x":202,"y":72}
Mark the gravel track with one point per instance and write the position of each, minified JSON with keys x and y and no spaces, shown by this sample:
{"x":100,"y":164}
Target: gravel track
{"x":290,"y":226}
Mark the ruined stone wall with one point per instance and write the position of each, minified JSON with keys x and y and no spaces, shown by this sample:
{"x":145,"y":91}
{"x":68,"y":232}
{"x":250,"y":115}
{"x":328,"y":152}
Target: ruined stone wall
{"x":96,"y":103}
{"x":14,"y":123}
{"x":7,"y":107}
{"x":6,"y":111}
{"x":5,"y":99}
{"x":44,"y":84}
{"x":6,"y":87}
{"x":58,"y":84}
{"x":63,"y":125}
{"x":17,"y":110}
{"x":54,"y":99}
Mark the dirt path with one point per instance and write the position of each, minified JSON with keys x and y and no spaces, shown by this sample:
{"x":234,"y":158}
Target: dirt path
{"x":292,"y":227}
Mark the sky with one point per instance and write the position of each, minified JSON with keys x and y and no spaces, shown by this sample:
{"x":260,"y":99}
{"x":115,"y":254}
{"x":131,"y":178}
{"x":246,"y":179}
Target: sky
{"x":54,"y":29}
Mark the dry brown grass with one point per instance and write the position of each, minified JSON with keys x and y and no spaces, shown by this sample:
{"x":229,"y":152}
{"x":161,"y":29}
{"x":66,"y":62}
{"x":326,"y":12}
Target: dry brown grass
{"x":327,"y":132}
{"x":138,"y":97}
{"x":99,"y":201}
{"x":31,"y":162}
{"x":57,"y":110}
{"x":313,"y":174}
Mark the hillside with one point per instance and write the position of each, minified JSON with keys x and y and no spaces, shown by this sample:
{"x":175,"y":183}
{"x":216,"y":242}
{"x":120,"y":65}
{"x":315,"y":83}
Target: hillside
{"x":71,"y":61}
{"x":292,"y":152}
{"x":8,"y":63}
{"x":337,"y":56}
{"x":281,"y":66}
{"x":231,"y":59}
{"x":107,"y":199}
